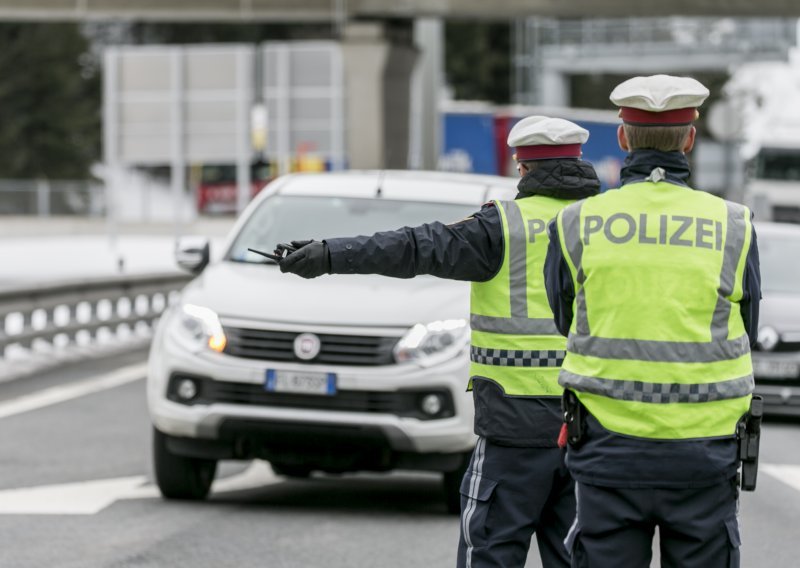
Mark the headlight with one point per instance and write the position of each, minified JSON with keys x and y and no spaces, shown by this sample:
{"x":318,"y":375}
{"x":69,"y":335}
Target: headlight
{"x":768,"y":338}
{"x":432,"y":342}
{"x":199,"y":328}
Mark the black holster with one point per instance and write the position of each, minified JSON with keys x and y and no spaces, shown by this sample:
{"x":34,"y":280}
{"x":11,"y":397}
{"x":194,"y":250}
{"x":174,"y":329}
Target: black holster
{"x":748,"y":433}
{"x":574,"y":413}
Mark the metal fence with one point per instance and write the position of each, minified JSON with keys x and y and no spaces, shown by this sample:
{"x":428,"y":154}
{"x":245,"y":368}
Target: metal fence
{"x":44,"y":317}
{"x":752,"y":36}
{"x":52,"y":197}
{"x":617,"y":45}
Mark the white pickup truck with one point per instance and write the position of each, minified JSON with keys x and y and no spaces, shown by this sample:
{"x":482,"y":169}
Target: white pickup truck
{"x":337,"y":374}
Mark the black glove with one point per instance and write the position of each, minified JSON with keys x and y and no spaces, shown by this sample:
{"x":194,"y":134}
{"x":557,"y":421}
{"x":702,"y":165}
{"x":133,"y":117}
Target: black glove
{"x":311,"y":259}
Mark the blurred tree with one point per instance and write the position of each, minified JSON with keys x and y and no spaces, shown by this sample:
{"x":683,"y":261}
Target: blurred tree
{"x":478,"y":60}
{"x":49,"y":102}
{"x":50,"y":94}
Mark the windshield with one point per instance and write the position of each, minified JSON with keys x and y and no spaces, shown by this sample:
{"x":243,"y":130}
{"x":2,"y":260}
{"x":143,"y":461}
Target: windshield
{"x":281,"y":218}
{"x":778,"y":165}
{"x":780,"y":269}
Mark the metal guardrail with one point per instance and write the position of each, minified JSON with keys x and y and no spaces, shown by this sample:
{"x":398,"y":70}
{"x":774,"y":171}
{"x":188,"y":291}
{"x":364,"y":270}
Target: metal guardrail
{"x":52,"y":197}
{"x":77,"y":312}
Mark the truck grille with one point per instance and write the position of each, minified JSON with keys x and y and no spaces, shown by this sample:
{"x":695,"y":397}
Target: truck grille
{"x":782,"y":347}
{"x":272,"y":345}
{"x":795,"y":383}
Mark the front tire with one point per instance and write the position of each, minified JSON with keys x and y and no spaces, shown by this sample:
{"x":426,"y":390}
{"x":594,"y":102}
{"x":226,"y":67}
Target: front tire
{"x":180,"y":477}
{"x":451,"y":483}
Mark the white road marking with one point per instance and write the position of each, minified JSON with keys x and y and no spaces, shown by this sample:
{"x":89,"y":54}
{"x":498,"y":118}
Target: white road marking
{"x":788,"y":474}
{"x":257,"y":474}
{"x":91,"y":497}
{"x":63,"y":393}
{"x":82,"y":498}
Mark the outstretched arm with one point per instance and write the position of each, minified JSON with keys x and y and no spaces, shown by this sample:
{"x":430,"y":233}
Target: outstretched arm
{"x":471,"y":250}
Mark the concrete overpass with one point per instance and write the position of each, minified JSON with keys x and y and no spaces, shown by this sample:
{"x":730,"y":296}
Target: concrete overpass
{"x":383,"y":42}
{"x":327,"y":10}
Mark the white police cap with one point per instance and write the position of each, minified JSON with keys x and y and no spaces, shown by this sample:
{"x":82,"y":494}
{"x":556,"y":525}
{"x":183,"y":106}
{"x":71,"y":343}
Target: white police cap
{"x":659,"y":100}
{"x":542,"y":138}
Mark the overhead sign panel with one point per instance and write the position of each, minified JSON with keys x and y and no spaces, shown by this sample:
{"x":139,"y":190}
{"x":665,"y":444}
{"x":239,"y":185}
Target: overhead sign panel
{"x":218,"y":98}
{"x":168,"y":103}
{"x":303,"y":95}
{"x":141,"y":83}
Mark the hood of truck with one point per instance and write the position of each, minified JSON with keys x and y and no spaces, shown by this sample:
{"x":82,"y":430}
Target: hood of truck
{"x":262,"y":292}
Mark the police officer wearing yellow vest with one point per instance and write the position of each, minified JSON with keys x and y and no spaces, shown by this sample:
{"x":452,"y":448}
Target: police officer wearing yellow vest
{"x":657,"y":287}
{"x":516,"y":483}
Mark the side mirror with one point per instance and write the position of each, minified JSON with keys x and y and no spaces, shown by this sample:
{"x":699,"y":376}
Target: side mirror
{"x":192,"y":253}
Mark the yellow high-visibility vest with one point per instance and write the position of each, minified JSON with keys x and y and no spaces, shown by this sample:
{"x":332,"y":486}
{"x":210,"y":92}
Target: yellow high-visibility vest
{"x":515,"y":342}
{"x":657,"y":347}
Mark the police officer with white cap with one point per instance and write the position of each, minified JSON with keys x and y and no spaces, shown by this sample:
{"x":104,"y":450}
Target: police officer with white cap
{"x":657,"y":287}
{"x":516,"y":483}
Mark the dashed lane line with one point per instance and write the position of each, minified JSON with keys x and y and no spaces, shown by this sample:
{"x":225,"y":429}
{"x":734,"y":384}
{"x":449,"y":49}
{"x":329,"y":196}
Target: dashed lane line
{"x":63,"y":393}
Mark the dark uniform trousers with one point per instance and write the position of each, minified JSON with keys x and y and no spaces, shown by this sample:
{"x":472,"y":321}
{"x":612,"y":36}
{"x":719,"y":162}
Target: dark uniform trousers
{"x":614,"y":527}
{"x":507,"y":494}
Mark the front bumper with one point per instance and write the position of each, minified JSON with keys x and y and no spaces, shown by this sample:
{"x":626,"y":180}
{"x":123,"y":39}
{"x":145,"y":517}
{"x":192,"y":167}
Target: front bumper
{"x":333,"y":448}
{"x":215,"y":421}
{"x":777,"y":378}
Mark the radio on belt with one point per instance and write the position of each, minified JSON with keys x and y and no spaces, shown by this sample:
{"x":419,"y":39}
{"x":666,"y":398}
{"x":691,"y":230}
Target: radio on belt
{"x":748,"y":431}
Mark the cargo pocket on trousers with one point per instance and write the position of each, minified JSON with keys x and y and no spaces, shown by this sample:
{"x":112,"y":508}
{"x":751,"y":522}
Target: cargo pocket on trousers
{"x":735,"y":541}
{"x":475,"y":515}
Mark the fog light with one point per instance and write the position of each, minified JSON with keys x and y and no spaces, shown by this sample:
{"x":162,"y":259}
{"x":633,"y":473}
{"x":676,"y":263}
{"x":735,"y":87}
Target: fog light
{"x":187,"y":389}
{"x":431,"y":404}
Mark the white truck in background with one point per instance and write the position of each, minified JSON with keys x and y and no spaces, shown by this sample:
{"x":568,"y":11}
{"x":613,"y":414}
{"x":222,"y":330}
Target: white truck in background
{"x":763,"y":102}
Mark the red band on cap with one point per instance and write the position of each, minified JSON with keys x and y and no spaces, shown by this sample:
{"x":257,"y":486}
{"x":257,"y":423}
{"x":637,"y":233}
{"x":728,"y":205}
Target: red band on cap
{"x":647,"y":118}
{"x":543,"y":152}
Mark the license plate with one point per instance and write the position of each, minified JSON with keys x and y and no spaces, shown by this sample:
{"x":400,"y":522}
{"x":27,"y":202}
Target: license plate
{"x":776,"y":369}
{"x":300,"y":382}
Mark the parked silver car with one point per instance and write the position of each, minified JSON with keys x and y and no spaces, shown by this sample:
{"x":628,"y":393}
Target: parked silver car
{"x":776,"y":359}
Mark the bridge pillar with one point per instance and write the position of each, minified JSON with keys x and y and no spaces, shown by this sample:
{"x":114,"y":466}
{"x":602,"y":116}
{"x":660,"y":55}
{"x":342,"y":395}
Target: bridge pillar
{"x":378,"y":64}
{"x":555,"y":88}
{"x":427,"y":82}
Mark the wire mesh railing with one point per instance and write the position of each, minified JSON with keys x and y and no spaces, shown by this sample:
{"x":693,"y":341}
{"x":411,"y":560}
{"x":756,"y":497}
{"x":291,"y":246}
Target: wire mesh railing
{"x":52,"y":197}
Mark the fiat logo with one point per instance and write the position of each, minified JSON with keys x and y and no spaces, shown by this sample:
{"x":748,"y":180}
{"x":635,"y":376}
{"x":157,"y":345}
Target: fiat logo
{"x":306,"y":346}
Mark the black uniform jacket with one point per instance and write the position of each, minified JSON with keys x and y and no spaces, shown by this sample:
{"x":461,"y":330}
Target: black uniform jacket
{"x":472,"y":250}
{"x":613,"y":460}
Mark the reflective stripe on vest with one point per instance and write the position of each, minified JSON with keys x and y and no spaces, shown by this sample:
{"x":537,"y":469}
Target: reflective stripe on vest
{"x":518,"y":259}
{"x":513,"y":325}
{"x":640,"y":391}
{"x":517,"y":358}
{"x":615,"y":361}
{"x":515,"y":342}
